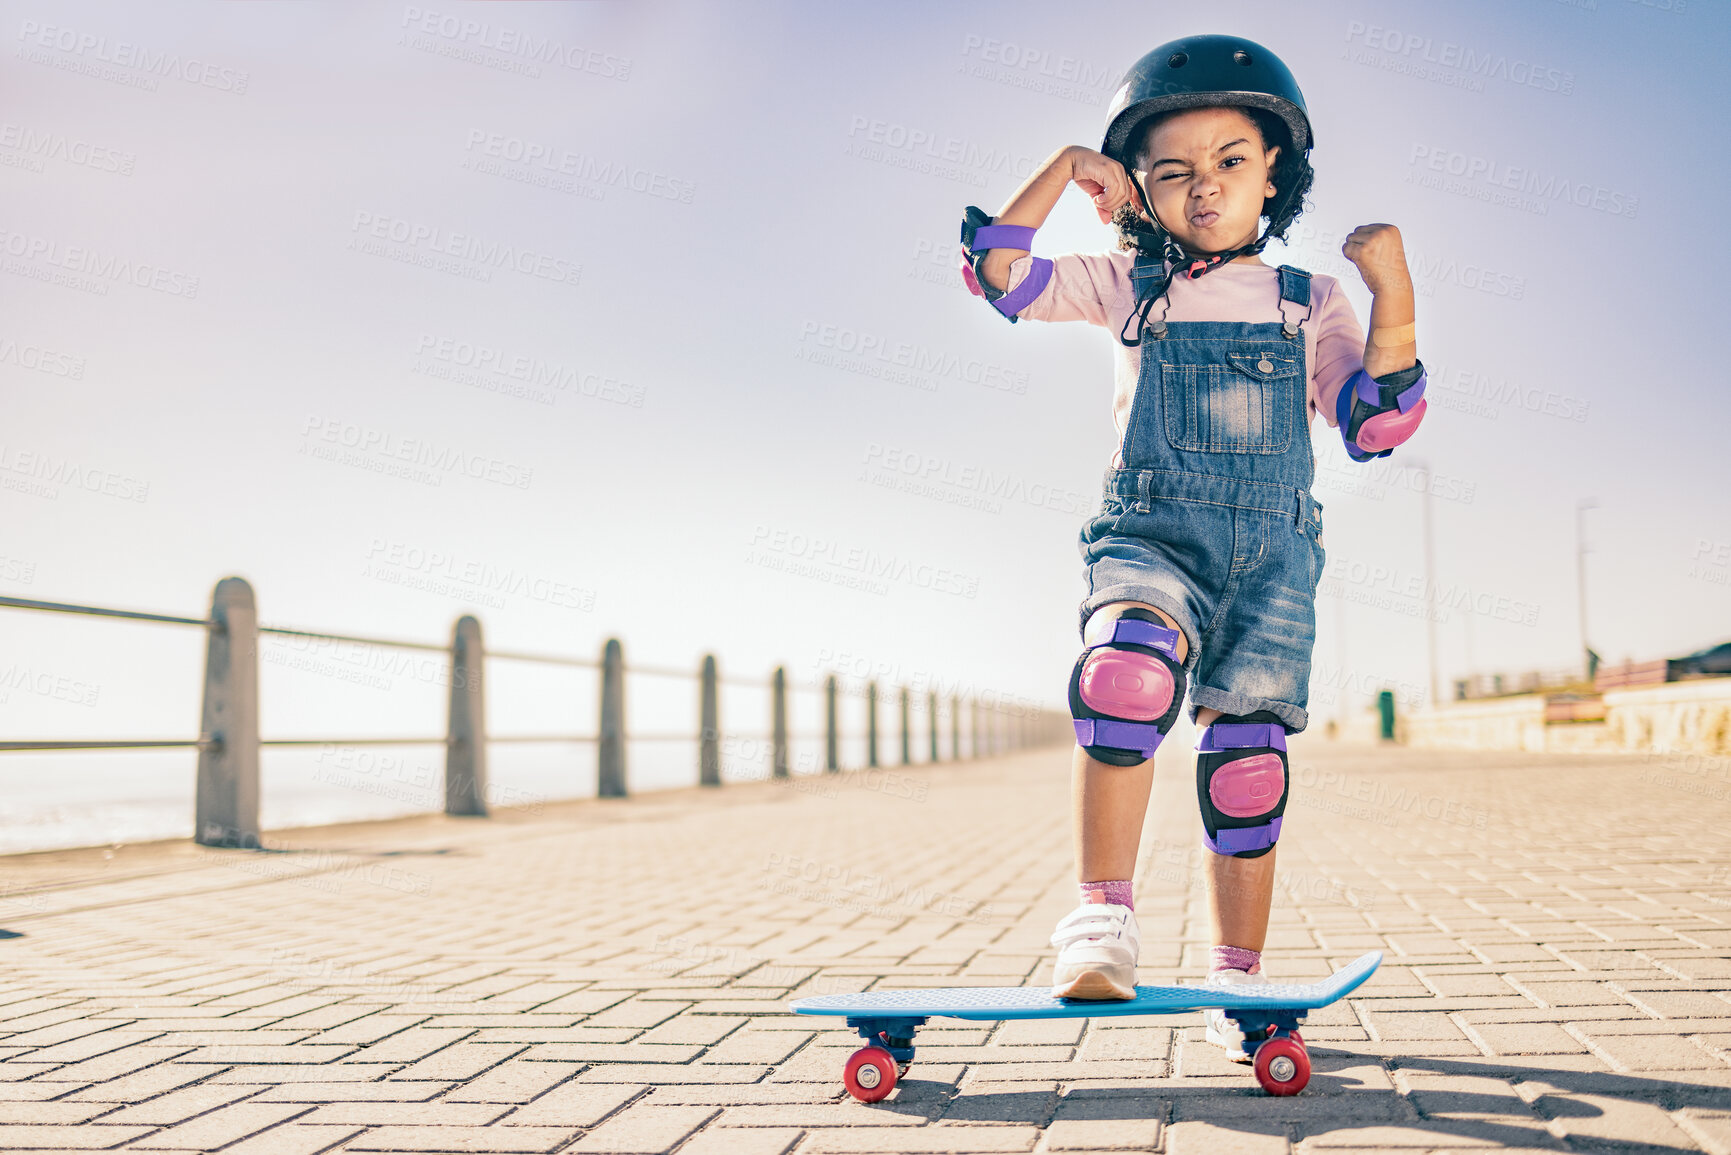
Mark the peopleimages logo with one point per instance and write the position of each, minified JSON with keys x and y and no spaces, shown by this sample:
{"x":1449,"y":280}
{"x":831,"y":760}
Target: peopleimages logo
{"x":1517,"y":186}
{"x":41,"y":145}
{"x":510,"y":41}
{"x":121,"y":54}
{"x":1475,"y":63}
{"x":415,"y":236}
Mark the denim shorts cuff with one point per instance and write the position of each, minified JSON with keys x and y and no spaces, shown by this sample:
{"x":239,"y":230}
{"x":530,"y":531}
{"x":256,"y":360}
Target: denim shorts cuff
{"x":1208,"y":698}
{"x":1148,"y":595}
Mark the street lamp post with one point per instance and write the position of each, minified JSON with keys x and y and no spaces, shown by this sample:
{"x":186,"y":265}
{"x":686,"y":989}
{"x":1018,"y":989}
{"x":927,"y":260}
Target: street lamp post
{"x":1581,"y":508}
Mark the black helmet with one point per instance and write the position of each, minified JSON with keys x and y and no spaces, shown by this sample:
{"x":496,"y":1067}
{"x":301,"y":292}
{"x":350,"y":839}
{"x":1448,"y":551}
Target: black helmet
{"x":1207,"y":72}
{"x":1199,"y":72}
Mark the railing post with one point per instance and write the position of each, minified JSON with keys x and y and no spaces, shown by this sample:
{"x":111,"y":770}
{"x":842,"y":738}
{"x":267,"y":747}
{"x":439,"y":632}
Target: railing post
{"x":778,"y":722}
{"x":709,"y":739}
{"x":955,"y":728}
{"x":974,"y":727}
{"x":466,"y":725}
{"x":831,"y":735}
{"x":610,"y":763}
{"x":904,"y":713}
{"x":871,"y":724}
{"x":226,"y":809}
{"x":932,"y":710}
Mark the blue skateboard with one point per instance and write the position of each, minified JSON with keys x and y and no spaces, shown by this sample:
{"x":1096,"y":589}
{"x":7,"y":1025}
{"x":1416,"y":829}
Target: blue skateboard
{"x":1269,"y":1017}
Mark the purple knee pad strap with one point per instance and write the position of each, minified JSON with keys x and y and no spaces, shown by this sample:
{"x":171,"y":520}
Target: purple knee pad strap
{"x":1143,"y":736}
{"x":1224,"y":736}
{"x":1245,"y":838}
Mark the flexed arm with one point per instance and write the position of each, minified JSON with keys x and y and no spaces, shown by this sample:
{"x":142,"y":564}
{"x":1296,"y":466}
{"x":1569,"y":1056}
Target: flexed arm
{"x":1381,"y":406}
{"x":1101,"y":177}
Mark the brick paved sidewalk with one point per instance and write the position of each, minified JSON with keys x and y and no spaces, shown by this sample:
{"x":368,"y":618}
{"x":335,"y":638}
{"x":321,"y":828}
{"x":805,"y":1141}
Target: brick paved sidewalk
{"x":610,"y":977}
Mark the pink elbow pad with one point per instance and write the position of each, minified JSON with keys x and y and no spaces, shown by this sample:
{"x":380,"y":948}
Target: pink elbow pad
{"x":1375,"y":416}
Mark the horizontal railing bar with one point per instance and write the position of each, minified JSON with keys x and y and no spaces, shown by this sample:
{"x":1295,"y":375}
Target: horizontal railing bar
{"x":149,"y":744}
{"x":544,"y":738}
{"x":548,"y":659}
{"x":354,"y":638}
{"x":99,"y":611}
{"x":663,"y":671}
{"x":353,"y":741}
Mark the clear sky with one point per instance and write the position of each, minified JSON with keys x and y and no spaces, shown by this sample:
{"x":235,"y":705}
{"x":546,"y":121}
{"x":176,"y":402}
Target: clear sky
{"x":641,"y":319}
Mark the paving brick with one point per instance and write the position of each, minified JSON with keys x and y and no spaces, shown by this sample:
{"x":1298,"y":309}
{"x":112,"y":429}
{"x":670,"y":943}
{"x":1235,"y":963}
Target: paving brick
{"x":1651,"y":1052}
{"x":921,"y":1140}
{"x":38,"y":1112}
{"x":516,"y":1081}
{"x":1103,"y":1134}
{"x":574,"y":1105}
{"x":60,"y":1136}
{"x":459,"y":1061}
{"x":179,"y":1106}
{"x":1711,"y":1129}
{"x":292,"y":1139}
{"x":742,"y":1141}
{"x":644,"y":1130}
{"x":1526,"y":1038}
{"x":356,"y":1092}
{"x":220,"y":1127}
{"x":1200,"y":1138}
{"x":1614,"y":1120}
{"x":441,"y":1114}
{"x":478,"y":1139}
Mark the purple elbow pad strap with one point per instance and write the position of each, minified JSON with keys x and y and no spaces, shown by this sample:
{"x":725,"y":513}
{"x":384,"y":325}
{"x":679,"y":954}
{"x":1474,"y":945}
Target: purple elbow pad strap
{"x":1236,"y":841}
{"x":1023,"y":295}
{"x":1002,"y":237}
{"x":1141,"y":736}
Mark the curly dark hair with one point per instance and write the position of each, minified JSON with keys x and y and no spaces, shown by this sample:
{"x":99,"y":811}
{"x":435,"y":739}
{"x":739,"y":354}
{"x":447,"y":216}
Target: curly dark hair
{"x":1291,"y":171}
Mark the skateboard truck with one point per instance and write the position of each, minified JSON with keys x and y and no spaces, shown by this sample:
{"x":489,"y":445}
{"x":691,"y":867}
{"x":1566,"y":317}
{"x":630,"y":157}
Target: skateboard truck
{"x":1275,"y":1048}
{"x":872,"y":1071}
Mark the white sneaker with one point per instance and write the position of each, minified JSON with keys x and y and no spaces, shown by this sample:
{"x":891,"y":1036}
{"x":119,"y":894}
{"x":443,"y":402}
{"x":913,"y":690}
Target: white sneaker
{"x":1222,"y":1030}
{"x":1098,"y":943}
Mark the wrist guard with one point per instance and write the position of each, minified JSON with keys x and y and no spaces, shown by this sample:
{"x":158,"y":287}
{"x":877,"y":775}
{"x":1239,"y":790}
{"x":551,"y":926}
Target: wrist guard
{"x":979,"y":237}
{"x":1375,"y":414}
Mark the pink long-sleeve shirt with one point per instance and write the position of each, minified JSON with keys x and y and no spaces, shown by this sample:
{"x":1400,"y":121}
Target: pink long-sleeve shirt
{"x":1096,"y":287}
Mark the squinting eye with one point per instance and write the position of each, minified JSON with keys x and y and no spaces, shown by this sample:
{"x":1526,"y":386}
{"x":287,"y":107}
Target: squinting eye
{"x":1174,"y":176}
{"x":1232,"y":162}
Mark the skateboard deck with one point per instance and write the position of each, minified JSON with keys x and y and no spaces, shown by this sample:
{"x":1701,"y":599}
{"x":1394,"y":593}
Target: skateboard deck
{"x":994,"y":1003}
{"x":1268,"y":1016}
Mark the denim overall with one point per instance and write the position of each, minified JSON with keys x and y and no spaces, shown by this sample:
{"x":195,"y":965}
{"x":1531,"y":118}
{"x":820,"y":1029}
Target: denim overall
{"x":1210,"y":519}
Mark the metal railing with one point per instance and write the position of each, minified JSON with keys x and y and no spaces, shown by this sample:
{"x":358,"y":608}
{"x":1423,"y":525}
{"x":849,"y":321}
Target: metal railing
{"x":226,"y":806}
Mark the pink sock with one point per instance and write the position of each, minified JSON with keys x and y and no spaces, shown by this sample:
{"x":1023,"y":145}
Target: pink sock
{"x":1234,"y":958}
{"x":1116,"y":891}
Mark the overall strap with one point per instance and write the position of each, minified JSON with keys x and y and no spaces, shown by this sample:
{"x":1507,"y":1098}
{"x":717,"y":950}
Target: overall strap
{"x":1148,"y":275}
{"x":1295,"y":290}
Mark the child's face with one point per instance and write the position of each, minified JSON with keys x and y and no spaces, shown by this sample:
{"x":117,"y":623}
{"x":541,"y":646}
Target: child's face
{"x":1206,"y":173}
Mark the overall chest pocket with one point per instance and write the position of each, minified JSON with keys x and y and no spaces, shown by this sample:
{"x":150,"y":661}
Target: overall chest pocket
{"x":1246,"y":403}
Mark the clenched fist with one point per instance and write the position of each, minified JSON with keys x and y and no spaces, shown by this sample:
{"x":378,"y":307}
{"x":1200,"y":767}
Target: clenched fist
{"x":1377,"y":251}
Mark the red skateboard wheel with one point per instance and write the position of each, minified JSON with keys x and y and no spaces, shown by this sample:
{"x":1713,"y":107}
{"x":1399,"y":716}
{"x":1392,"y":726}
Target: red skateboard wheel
{"x":870,"y":1074}
{"x":1282,"y":1066}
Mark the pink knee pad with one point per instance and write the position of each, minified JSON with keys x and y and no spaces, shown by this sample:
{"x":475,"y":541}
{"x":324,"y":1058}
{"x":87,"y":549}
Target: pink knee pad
{"x":1241,"y":782}
{"x":1126,"y":684}
{"x":1126,"y":689}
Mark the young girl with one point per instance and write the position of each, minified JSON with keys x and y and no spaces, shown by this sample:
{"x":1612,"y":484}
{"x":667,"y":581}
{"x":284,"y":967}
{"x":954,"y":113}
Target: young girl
{"x":1203,"y":561}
